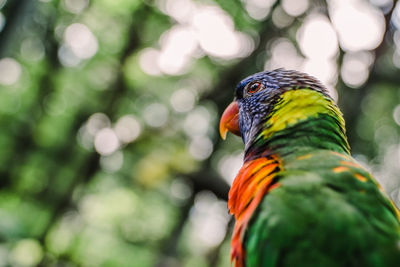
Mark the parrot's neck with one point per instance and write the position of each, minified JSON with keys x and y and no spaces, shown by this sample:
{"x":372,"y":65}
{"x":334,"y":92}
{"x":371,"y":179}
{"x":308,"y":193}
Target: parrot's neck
{"x":301,"y":120}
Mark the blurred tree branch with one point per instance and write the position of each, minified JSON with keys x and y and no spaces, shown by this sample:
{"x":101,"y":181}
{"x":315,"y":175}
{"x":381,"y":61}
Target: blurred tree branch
{"x":24,"y":139}
{"x":16,"y":12}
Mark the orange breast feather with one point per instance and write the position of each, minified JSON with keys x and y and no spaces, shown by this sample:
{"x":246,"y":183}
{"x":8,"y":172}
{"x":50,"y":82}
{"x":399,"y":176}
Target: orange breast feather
{"x":254,"y":180}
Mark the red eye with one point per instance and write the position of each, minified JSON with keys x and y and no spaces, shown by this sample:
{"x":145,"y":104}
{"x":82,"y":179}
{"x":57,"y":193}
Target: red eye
{"x":254,"y":87}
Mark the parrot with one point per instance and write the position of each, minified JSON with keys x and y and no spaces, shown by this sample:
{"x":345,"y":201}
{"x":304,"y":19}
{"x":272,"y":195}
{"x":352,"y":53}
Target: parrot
{"x":300,"y":199}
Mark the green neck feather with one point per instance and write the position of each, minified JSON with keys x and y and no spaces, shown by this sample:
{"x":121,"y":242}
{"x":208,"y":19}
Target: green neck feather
{"x":302,"y":119}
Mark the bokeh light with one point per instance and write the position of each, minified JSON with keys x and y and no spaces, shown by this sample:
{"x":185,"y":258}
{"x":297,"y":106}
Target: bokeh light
{"x":2,"y":21}
{"x":75,"y":6}
{"x":197,"y":122}
{"x":2,"y":3}
{"x":396,"y":114}
{"x":183,"y":100}
{"x":324,"y":70}
{"x":180,"y":10}
{"x":295,"y":7}
{"x":180,"y":190}
{"x":10,"y":71}
{"x":32,"y":49}
{"x":355,"y":68}
{"x":27,"y":252}
{"x":384,"y":5}
{"x":207,"y":28}
{"x":106,"y":141}
{"x":201,"y":147}
{"x":112,"y":162}
{"x":317,"y":38}
{"x":318,"y":42}
{"x":80,"y":44}
{"x":396,"y":16}
{"x":178,"y":44}
{"x":209,"y":221}
{"x":283,"y":55}
{"x":280,"y":18}
{"x":96,"y":122}
{"x":127,"y":129}
{"x":216,"y":34}
{"x":149,"y":61}
{"x":156,"y":115}
{"x":81,"y":40}
{"x":229,"y":166}
{"x":359,"y":24}
{"x":258,"y":9}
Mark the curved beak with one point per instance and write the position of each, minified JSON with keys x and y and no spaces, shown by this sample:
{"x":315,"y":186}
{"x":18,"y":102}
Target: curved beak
{"x":230,"y":120}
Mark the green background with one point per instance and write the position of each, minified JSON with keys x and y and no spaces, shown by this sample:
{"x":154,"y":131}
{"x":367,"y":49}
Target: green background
{"x":109,"y":146}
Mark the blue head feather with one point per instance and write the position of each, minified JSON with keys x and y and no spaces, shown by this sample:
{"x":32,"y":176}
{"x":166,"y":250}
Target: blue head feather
{"x":255,"y":109}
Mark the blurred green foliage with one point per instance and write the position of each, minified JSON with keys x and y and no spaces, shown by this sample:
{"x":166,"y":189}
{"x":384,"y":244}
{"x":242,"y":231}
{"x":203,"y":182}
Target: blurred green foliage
{"x":110,"y":154}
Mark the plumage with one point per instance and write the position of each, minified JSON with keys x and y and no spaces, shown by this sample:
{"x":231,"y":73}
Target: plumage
{"x":300,"y":199}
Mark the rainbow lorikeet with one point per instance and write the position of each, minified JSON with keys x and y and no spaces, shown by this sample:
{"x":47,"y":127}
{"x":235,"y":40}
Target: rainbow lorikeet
{"x":300,"y":199}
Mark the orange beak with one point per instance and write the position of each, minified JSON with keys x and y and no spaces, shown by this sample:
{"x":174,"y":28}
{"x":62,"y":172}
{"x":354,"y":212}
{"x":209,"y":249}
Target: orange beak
{"x":230,"y":120}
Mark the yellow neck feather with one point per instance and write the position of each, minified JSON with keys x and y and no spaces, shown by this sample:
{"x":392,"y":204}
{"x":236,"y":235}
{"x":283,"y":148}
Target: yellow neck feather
{"x":298,"y":105}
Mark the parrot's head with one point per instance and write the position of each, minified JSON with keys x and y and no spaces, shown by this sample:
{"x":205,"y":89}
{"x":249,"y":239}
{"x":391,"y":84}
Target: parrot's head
{"x":256,"y":98}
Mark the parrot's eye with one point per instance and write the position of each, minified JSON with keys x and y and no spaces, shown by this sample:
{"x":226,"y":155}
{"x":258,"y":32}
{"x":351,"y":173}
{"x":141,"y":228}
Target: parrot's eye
{"x":254,"y":87}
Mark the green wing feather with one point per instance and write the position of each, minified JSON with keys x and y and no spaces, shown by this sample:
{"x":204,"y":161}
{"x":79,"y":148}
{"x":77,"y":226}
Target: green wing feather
{"x":322,"y":215}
